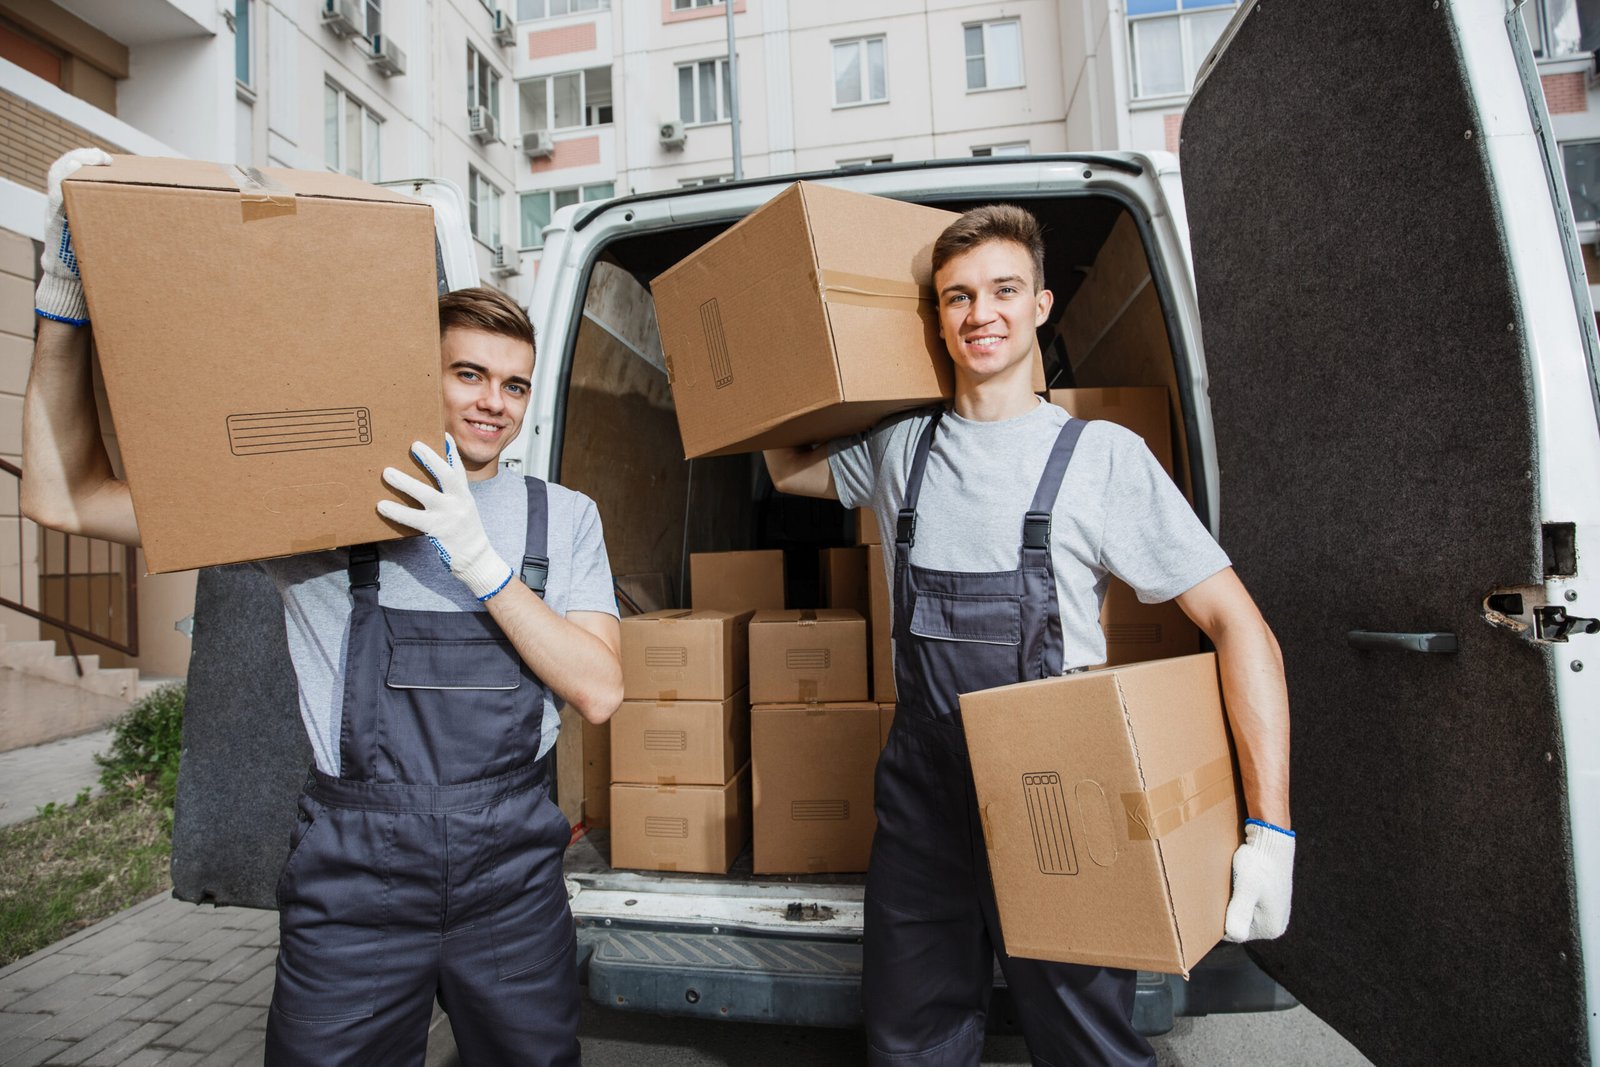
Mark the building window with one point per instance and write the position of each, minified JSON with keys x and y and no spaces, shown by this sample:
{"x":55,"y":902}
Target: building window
{"x":1553,"y":28}
{"x":1169,"y":39}
{"x":241,"y":42}
{"x":537,"y":208}
{"x":704,"y":93}
{"x":1014,"y":148}
{"x":350,"y":134}
{"x":865,"y":161}
{"x":1581,"y":161}
{"x":711,"y":179}
{"x":688,"y":5}
{"x":483,"y":208}
{"x":483,"y":83}
{"x":528,"y":10}
{"x":994,"y":54}
{"x":566,"y":101}
{"x":859,"y":73}
{"x":374,"y":11}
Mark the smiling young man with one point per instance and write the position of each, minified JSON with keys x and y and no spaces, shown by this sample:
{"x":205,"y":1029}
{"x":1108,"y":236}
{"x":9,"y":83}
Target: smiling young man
{"x":426,"y":863}
{"x":1007,"y":516}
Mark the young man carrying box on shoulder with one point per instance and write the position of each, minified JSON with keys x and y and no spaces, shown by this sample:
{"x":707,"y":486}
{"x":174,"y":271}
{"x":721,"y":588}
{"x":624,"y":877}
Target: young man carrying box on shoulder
{"x":1003,"y":508}
{"x":427,"y":860}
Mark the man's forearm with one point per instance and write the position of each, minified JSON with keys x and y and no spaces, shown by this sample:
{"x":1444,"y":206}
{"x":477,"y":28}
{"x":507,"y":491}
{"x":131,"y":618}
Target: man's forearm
{"x":68,"y":483}
{"x":578,"y":666}
{"x":1257,"y":700}
{"x":802,"y":471}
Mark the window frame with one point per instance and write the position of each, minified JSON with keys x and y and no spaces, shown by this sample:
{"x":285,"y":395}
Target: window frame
{"x":864,"y":53}
{"x":476,"y":63}
{"x":583,"y":101}
{"x":694,"y":5}
{"x":372,"y":23}
{"x":583,"y":197}
{"x":985,"y":25}
{"x":1191,"y":63}
{"x":544,"y":5}
{"x":999,"y":149}
{"x":477,"y":184}
{"x":721,"y":93}
{"x":1586,"y":227}
{"x":1539,"y":29}
{"x":371,"y":126}
{"x":244,"y":44}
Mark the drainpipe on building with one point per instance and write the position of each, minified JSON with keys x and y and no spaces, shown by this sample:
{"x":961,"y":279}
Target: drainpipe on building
{"x":733,"y":95}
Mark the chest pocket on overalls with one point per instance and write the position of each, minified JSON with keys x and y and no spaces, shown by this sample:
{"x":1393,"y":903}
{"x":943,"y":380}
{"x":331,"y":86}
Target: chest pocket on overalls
{"x":981,"y":619}
{"x":484,"y":663}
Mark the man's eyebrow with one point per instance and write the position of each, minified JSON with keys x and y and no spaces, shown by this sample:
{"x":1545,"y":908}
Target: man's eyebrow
{"x":957,"y":287}
{"x":1008,"y":278}
{"x":463,"y":364}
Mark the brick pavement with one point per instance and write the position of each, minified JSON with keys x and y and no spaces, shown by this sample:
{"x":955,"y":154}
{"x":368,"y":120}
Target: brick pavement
{"x":163,"y":982}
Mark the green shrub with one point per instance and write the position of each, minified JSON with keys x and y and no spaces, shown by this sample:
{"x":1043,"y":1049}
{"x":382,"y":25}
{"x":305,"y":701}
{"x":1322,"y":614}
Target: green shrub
{"x":145,"y":745}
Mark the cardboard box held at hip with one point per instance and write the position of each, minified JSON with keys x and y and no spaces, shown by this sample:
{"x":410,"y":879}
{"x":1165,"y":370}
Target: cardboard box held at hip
{"x":269,"y":341}
{"x":1110,"y":811}
{"x":811,"y":318}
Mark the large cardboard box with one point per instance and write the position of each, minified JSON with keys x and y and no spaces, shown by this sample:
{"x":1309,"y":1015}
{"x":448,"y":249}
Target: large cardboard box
{"x":1135,"y":631}
{"x":813,"y":767}
{"x":680,"y":742}
{"x":736,"y":581}
{"x":597,"y":775}
{"x":269,"y":341}
{"x":583,"y":770}
{"x":844,"y":578}
{"x":885,"y":721}
{"x":1110,"y":811}
{"x":867,"y":532}
{"x":812,"y":317}
{"x":684,"y":655}
{"x":879,"y":610}
{"x":680,"y":827}
{"x":808,"y":656}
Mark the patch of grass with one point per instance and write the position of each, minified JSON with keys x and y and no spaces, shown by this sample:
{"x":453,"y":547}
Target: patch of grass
{"x":78,"y":863}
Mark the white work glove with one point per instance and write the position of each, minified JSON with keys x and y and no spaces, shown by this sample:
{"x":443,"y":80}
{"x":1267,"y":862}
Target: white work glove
{"x":1263,"y":869}
{"x":449,"y":517}
{"x":60,"y":292}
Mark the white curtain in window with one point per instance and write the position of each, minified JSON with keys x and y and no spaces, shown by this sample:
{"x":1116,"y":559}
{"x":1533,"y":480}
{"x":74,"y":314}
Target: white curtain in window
{"x":1004,"y":48}
{"x":847,"y":73}
{"x":1158,"y":57}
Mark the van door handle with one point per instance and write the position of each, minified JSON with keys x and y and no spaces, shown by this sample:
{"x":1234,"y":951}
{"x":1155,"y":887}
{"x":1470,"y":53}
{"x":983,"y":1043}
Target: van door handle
{"x":1373,"y":641}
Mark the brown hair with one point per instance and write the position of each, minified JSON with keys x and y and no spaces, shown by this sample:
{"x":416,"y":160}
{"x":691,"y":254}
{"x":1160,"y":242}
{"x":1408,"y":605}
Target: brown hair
{"x":992,"y":222}
{"x":484,"y":309}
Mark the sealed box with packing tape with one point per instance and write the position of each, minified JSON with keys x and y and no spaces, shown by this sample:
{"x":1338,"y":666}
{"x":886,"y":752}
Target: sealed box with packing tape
{"x":299,"y":374}
{"x":1110,"y":811}
{"x":680,"y":742}
{"x":680,"y":827}
{"x":684,"y":655}
{"x":799,"y":657}
{"x":813,"y":767}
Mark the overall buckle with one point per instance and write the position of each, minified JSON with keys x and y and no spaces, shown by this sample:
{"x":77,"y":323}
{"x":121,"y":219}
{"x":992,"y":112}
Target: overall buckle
{"x":905,"y":530}
{"x":1036,"y":530}
{"x":363,"y":566}
{"x":535,"y":572}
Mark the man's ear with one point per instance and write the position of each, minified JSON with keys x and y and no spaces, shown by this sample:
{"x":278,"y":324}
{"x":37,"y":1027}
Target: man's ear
{"x":1044,"y":300}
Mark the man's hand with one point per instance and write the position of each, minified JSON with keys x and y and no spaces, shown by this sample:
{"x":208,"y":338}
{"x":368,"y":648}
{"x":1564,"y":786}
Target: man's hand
{"x":60,"y":292}
{"x":1263,"y":869}
{"x":449,"y":517}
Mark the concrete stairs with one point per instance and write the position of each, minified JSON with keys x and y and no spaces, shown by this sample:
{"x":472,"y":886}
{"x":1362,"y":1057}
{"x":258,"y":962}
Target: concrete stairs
{"x":43,"y":697}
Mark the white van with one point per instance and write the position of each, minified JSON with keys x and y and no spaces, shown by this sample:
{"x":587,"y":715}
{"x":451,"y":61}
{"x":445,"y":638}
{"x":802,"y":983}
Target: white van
{"x":1392,"y":429}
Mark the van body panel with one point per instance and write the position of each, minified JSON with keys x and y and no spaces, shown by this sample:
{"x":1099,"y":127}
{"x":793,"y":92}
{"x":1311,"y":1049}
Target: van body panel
{"x":1403,"y":394}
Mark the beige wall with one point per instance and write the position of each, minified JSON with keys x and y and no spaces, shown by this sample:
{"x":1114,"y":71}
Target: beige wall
{"x":18,"y":573}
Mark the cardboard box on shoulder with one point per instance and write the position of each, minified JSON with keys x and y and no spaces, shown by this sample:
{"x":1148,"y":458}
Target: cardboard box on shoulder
{"x":813,"y":767}
{"x":811,"y":318}
{"x":680,"y":827}
{"x":808,"y":656}
{"x":680,"y":742}
{"x":1135,"y":631}
{"x":684,"y":655}
{"x":1123,"y":780}
{"x":736,"y":581}
{"x":844,"y":578}
{"x":300,"y":373}
{"x":879,"y":611}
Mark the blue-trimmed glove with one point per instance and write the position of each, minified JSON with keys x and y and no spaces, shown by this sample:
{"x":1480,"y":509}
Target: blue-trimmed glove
{"x":60,"y":292}
{"x":1263,"y":871}
{"x":449,"y":516}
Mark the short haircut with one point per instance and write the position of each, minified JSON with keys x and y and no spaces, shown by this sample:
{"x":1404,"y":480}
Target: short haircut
{"x":992,"y":222}
{"x":484,"y":309}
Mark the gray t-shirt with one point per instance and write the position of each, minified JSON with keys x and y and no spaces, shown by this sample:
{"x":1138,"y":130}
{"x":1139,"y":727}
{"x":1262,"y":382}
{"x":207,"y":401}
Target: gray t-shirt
{"x":315,"y":588}
{"x":1118,"y":512}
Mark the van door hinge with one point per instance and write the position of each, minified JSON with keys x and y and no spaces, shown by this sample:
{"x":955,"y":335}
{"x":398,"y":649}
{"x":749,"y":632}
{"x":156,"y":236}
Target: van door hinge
{"x":1524,"y":611}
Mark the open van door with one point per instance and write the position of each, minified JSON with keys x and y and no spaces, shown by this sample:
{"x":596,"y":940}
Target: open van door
{"x":1403,"y":382}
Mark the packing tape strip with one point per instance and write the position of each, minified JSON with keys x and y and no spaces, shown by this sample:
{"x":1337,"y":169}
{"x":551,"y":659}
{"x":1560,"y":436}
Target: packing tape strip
{"x":808,"y":690}
{"x":666,"y":696}
{"x":259,"y":196}
{"x":1159,"y":811}
{"x":842,"y":287}
{"x":808,"y":617}
{"x":667,"y":779}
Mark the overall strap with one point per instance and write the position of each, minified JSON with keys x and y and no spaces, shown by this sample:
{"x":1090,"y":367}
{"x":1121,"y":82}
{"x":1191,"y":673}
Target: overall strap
{"x":363,"y":567}
{"x":1036,"y":523}
{"x":536,"y":554}
{"x":906,"y":526}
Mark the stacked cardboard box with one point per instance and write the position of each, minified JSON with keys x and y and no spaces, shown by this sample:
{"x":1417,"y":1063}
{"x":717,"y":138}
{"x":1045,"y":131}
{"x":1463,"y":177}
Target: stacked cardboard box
{"x":680,"y":742}
{"x":736,"y":581}
{"x":815,"y":741}
{"x":1135,"y":631}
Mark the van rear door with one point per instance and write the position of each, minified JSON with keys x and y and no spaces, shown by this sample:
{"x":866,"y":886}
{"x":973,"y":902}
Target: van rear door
{"x":1402,"y":363}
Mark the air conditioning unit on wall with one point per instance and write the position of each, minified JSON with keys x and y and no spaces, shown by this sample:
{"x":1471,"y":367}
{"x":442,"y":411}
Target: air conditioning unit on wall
{"x":673,"y":135}
{"x":505,"y":30}
{"x":538,"y":144}
{"x":480,"y":123}
{"x":343,"y":18}
{"x":386,"y":58}
{"x":504,"y":263}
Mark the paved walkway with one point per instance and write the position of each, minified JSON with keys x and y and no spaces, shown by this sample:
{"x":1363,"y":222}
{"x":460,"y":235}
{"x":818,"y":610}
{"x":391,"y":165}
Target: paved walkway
{"x":54,"y":772}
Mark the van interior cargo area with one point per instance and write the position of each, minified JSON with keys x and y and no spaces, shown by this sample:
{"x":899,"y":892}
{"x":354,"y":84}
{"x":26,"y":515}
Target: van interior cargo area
{"x":619,"y":443}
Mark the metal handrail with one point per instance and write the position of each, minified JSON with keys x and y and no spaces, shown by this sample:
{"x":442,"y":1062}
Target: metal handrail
{"x":127,"y":641}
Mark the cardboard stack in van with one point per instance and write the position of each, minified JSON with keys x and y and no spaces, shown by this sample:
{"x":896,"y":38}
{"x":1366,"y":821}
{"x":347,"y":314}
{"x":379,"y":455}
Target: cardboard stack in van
{"x":680,"y":742}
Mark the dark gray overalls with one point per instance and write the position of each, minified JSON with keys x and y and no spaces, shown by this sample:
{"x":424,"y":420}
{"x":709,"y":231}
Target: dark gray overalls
{"x":931,"y":928}
{"x":432,"y":866}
